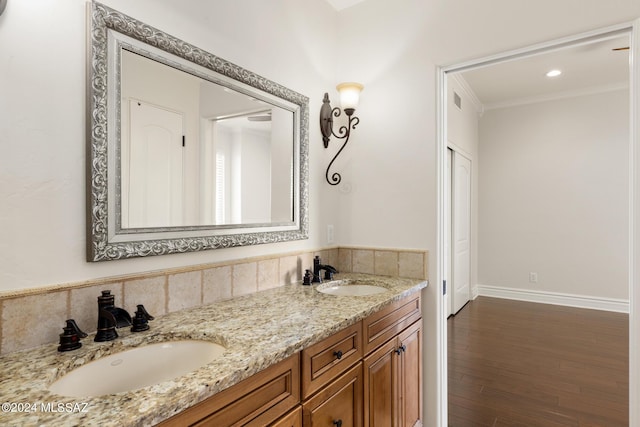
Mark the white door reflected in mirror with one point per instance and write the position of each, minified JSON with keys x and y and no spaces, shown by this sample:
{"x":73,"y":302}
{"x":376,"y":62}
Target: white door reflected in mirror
{"x":195,"y":153}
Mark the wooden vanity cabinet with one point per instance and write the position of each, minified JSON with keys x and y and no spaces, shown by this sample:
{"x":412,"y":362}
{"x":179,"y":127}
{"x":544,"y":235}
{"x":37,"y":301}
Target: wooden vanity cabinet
{"x":366,"y":375}
{"x":393,"y":365}
{"x":385,"y":389}
{"x":393,"y":381}
{"x":258,"y":401}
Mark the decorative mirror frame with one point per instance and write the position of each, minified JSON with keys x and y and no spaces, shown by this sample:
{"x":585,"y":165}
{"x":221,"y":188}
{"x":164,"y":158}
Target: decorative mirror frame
{"x":102,"y":245}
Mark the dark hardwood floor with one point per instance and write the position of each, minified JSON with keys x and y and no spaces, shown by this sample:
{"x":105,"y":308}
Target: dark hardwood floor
{"x":514,"y":363}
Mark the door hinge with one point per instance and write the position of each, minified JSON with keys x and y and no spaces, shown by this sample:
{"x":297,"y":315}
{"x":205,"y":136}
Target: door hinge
{"x":444,"y":287}
{"x":183,"y":141}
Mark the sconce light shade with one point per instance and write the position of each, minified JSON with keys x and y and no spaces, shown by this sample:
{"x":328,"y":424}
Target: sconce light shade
{"x":349,"y":96}
{"x":3,"y":4}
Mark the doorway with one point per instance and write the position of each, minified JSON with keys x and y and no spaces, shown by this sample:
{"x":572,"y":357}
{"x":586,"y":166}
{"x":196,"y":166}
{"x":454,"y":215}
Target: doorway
{"x":633,"y":183}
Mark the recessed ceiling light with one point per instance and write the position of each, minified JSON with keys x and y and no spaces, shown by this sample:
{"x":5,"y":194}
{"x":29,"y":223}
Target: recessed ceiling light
{"x":554,"y":73}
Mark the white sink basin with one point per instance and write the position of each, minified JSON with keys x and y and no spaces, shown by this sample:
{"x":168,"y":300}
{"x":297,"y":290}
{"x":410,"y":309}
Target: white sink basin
{"x":346,"y":288}
{"x":137,"y":368}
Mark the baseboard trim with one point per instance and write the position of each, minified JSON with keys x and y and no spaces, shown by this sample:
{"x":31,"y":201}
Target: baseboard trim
{"x":556,"y":298}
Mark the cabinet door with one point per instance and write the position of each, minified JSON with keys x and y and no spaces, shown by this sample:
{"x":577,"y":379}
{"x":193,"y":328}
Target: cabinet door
{"x":393,"y":381}
{"x":339,"y":404}
{"x":380,"y":386}
{"x":410,"y":376}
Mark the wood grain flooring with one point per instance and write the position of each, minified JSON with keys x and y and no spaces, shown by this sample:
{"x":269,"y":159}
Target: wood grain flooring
{"x":514,"y":363}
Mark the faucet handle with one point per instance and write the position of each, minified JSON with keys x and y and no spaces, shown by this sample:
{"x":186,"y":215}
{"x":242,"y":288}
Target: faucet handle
{"x":73,"y":325}
{"x":141,"y":319}
{"x":70,"y":338}
{"x":141,"y":311}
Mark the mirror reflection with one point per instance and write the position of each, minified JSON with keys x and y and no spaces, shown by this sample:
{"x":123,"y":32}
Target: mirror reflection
{"x":195,"y":153}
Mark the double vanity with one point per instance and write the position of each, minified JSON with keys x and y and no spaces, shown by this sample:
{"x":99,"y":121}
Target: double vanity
{"x":275,"y":357}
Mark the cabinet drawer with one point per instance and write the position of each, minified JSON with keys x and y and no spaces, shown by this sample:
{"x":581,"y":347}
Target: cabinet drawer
{"x":388,"y":322}
{"x":339,"y":403}
{"x":256,"y":401}
{"x":325,"y":360}
{"x":292,"y":419}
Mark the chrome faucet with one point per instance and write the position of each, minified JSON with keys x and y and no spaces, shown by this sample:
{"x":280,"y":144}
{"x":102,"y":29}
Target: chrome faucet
{"x":110,"y":317}
{"x":329,"y":271}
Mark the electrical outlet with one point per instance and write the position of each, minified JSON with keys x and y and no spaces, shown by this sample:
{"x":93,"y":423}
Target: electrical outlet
{"x":533,"y":277}
{"x":329,"y":233}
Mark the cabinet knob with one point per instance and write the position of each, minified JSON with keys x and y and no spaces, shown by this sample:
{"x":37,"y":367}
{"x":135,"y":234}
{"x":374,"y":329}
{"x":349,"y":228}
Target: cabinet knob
{"x":400,"y":349}
{"x":338,"y":355}
{"x":337,"y":423}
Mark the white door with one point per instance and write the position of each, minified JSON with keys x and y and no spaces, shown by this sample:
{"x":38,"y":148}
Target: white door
{"x":152,"y":168}
{"x":447,"y":240}
{"x":460,"y":231}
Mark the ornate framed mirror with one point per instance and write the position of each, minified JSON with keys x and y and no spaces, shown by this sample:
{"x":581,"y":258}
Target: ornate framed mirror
{"x":186,"y":151}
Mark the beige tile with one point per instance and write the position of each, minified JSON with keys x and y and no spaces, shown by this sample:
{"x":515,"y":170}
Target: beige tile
{"x":328,"y":257}
{"x":386,"y":263}
{"x":185,"y":290}
{"x":289,"y":270}
{"x":216,"y":284}
{"x":412,"y":265}
{"x":84,"y":304}
{"x":33,"y":320}
{"x":268,"y":274}
{"x":150,"y":292}
{"x":345,"y":260}
{"x":331,"y":257}
{"x":245,"y":278}
{"x":305,"y":262}
{"x":362,"y":261}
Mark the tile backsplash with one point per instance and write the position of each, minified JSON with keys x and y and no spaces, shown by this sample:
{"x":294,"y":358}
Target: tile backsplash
{"x":35,"y":317}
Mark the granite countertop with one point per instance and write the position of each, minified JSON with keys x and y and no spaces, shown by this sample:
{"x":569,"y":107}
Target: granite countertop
{"x":258,"y":330}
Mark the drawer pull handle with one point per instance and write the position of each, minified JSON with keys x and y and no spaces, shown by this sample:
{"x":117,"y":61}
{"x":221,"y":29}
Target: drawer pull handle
{"x":338,"y":354}
{"x":337,"y":423}
{"x":400,"y":349}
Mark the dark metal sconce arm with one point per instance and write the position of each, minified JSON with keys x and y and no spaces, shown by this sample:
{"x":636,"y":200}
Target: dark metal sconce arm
{"x":326,"y":126}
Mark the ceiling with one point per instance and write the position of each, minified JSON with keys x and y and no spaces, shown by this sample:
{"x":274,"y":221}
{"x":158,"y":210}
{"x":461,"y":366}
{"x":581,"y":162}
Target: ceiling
{"x":586,"y":68}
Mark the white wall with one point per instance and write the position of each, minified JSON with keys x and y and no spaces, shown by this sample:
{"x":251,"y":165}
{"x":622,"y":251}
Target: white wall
{"x":42,"y":119}
{"x":554,"y":196}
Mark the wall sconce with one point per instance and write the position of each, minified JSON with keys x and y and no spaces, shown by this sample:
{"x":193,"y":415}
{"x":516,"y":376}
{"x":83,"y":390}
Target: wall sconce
{"x":349,"y":94}
{"x":3,"y":4}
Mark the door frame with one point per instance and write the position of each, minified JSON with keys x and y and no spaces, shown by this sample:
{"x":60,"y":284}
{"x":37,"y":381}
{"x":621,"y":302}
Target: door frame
{"x":633,"y":29}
